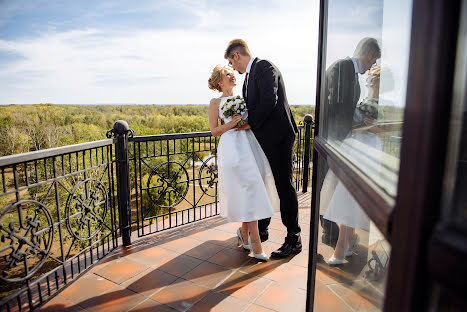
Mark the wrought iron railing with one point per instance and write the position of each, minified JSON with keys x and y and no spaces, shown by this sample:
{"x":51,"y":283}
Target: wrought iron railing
{"x":302,"y":161}
{"x":174,"y":180}
{"x":58,"y":217}
{"x":65,"y":208}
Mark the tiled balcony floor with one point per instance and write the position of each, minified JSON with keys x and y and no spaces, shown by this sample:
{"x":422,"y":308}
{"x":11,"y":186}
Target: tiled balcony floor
{"x":200,"y":268}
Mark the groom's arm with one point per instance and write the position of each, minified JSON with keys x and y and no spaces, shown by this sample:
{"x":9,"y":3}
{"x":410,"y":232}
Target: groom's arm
{"x":268,"y":82}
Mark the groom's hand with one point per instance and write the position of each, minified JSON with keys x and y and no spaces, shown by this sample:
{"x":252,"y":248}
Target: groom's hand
{"x":244,"y":127}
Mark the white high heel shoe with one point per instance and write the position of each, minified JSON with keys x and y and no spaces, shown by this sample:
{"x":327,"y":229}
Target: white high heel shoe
{"x":335,"y":261}
{"x":262,"y":256}
{"x":351,"y":249}
{"x":240,"y":239}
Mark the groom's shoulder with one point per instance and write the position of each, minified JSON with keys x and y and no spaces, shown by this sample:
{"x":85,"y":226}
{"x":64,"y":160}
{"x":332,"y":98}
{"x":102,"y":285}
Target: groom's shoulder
{"x":342,"y":65}
{"x":266,"y":64}
{"x":345,"y":62}
{"x":263,"y":62}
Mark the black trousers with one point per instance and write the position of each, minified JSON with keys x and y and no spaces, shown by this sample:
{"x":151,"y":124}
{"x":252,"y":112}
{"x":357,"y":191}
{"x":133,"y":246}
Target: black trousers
{"x":279,"y":152}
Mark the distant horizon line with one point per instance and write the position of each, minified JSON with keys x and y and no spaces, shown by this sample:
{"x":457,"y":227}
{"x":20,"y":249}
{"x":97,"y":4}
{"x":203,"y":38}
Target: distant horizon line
{"x":111,"y":104}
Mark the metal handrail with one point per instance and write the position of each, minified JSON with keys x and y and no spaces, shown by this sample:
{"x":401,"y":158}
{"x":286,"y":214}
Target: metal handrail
{"x":51,"y":152}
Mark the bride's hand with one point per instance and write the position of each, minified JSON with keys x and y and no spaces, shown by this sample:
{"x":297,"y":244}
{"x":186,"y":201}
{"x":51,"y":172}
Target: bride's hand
{"x":235,"y":119}
{"x":245,"y":126}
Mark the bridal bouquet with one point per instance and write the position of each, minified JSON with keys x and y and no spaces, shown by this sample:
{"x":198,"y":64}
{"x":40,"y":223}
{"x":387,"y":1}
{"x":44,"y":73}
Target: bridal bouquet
{"x":234,"y":105}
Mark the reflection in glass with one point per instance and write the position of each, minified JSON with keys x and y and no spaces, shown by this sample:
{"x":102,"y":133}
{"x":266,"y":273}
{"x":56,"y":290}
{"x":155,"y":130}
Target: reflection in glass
{"x":455,"y":179}
{"x":363,"y":94}
{"x":355,"y":253}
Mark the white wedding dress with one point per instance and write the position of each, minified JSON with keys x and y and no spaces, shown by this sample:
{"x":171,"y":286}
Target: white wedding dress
{"x":247,"y":191}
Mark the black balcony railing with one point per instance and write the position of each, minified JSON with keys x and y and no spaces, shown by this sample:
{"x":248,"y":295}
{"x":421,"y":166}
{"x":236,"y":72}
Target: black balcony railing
{"x":58,"y":217}
{"x":65,"y":208}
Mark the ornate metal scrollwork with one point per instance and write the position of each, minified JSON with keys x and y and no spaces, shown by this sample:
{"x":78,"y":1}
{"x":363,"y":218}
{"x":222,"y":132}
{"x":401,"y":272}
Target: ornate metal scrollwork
{"x":120,"y":128}
{"x":376,"y":269}
{"x":208,"y":177}
{"x":27,"y":232}
{"x":168,"y":184}
{"x":86,"y":209}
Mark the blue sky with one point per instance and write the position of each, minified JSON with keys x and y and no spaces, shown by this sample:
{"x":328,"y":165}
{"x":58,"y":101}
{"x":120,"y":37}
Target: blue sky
{"x":148,"y":52}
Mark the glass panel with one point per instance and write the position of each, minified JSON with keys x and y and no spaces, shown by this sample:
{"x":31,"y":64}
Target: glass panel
{"x":366,"y":52}
{"x":351,"y":275}
{"x":455,"y":181}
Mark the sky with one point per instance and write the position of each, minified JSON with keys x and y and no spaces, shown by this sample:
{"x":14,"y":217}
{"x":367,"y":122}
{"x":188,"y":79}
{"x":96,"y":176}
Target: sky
{"x":147,"y":52}
{"x":388,"y":21}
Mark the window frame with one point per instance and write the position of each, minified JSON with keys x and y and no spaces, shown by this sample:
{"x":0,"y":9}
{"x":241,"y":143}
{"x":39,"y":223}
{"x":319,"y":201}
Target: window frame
{"x":409,"y":225}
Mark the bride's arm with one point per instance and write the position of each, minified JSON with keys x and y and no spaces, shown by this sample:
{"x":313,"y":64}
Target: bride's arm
{"x":217,"y":129}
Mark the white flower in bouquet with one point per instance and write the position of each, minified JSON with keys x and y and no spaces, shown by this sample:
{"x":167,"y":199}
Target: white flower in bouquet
{"x":234,"y":105}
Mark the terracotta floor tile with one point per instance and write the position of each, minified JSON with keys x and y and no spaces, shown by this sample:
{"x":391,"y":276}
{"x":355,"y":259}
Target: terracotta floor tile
{"x":269,"y":247}
{"x":243,"y":286}
{"x":181,"y":245}
{"x":149,"y":281}
{"x":202,"y":235}
{"x":204,"y":251}
{"x":152,"y":306}
{"x":283,"y":298}
{"x":223,"y":238}
{"x":152,"y":255}
{"x":116,"y":299}
{"x":277,"y":224}
{"x":181,"y":295}
{"x":327,"y":301}
{"x":277,"y":236}
{"x":257,"y":308}
{"x":86,"y":287}
{"x":358,"y":299}
{"x":207,"y":274}
{"x":230,"y":227}
{"x":121,"y":270}
{"x":60,"y":304}
{"x":217,"y":302}
{"x":300,"y":259}
{"x":332,"y":275}
{"x":277,"y":215}
{"x":260,"y":269}
{"x":303,"y":220}
{"x":305,"y":243}
{"x":203,"y":254}
{"x":120,"y":252}
{"x":179,"y":265}
{"x":230,"y":258}
{"x":305,"y":229}
{"x":289,"y":275}
{"x":217,"y":237}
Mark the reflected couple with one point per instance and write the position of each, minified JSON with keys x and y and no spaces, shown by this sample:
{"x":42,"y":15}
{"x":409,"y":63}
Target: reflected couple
{"x":351,"y":123}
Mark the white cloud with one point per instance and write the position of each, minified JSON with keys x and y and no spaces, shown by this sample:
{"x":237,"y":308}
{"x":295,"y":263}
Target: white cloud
{"x":161,"y":66}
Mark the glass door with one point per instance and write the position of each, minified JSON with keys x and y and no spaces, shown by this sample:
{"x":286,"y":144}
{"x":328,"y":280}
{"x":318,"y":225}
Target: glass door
{"x":388,"y":199}
{"x":364,"y":53}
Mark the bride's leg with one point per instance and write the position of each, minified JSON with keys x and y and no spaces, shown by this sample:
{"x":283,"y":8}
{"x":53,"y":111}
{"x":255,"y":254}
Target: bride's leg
{"x":345,"y":234}
{"x":255,"y":239}
{"x":244,"y":231}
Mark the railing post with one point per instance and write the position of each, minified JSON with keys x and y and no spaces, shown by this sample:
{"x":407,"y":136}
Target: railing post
{"x":121,"y":132}
{"x":306,"y":161}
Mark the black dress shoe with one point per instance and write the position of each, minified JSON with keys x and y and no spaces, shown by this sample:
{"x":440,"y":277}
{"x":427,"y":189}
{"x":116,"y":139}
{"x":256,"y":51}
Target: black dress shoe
{"x":287,"y":249}
{"x":264,"y":235}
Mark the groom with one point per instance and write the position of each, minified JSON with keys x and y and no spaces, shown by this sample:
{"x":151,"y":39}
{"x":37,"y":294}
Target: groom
{"x":272,"y":122}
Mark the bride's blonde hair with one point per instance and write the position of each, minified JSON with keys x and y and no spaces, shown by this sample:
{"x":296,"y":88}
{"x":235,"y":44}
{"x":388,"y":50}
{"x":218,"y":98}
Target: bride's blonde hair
{"x":216,"y":77}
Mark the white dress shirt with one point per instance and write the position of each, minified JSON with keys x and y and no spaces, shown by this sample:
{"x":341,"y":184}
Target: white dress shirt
{"x":355,"y":65}
{"x":248,"y":68}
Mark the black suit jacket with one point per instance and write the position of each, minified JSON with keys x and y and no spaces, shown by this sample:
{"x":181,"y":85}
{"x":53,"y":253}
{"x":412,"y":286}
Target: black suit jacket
{"x":269,"y":113}
{"x":342,"y":94}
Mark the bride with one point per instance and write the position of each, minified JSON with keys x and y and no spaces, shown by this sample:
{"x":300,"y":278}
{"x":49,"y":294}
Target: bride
{"x":247,"y":192}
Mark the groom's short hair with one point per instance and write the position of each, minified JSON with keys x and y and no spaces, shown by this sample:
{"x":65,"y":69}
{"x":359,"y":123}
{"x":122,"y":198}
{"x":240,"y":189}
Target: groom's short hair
{"x":367,"y":47}
{"x":237,"y":45}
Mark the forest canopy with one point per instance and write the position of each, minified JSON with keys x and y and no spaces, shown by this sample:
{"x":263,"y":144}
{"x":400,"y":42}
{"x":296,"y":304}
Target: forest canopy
{"x":25,"y":128}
